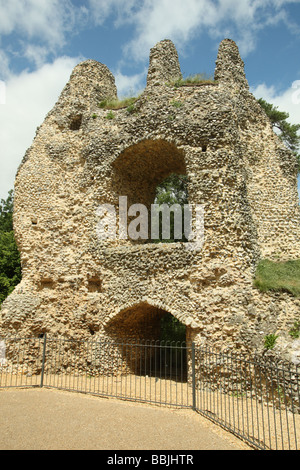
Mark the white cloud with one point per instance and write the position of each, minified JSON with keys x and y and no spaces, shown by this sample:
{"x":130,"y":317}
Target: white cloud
{"x":29,"y":97}
{"x":287,"y":100}
{"x":172,"y":19}
{"x":130,"y":85}
{"x":4,"y":65}
{"x":51,"y":22}
{"x":38,"y":27}
{"x":36,"y":18}
{"x":153,"y":20}
{"x":120,"y":9}
{"x":36,"y":54}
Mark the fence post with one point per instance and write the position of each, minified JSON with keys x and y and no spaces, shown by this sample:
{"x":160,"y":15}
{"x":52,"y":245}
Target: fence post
{"x":43,"y":360}
{"x":193,"y":376}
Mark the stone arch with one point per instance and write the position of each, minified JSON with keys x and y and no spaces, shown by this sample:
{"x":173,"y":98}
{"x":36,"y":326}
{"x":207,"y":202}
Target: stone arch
{"x":129,"y":321}
{"x":142,"y":166}
{"x":137,"y":332}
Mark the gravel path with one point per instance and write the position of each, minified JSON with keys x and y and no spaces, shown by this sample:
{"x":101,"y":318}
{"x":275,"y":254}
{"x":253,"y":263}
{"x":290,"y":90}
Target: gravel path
{"x":40,"y":419}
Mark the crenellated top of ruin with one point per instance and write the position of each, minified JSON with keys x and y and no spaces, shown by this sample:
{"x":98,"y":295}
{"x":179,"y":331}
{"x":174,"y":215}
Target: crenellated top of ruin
{"x":96,"y":82}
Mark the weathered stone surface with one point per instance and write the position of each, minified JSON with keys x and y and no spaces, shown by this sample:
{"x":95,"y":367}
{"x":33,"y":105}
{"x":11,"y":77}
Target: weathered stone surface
{"x":164,"y":64}
{"x":76,"y":285}
{"x":230,"y":67}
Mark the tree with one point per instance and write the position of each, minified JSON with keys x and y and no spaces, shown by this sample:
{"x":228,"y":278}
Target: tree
{"x":6,"y":211}
{"x":10,"y":266}
{"x":288,"y":133}
{"x":173,"y":190}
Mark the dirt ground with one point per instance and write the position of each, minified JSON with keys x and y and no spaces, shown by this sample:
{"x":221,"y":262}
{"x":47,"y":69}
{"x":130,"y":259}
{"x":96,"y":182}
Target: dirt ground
{"x":47,"y":419}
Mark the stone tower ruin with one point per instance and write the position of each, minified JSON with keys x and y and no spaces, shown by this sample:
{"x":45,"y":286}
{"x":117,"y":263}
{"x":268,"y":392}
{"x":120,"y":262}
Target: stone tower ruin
{"x":77,"y":285}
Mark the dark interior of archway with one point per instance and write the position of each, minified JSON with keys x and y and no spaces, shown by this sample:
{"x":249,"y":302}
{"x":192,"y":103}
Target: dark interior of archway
{"x":151,"y":341}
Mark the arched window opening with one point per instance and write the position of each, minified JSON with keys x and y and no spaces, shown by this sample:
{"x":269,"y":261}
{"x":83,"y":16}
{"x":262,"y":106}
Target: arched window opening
{"x":137,"y":172}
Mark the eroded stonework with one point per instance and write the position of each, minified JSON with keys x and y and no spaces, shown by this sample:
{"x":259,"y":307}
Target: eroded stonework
{"x":76,"y":285}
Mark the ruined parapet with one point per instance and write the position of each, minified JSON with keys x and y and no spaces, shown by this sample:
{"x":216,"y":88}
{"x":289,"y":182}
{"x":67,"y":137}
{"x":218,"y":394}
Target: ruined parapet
{"x":229,"y":69}
{"x":163,"y":64}
{"x":89,"y":84}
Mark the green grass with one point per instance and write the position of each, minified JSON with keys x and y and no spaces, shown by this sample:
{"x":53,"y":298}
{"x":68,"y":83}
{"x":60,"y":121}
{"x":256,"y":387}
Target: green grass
{"x":295,"y":330}
{"x":278,"y":276}
{"x":270,"y":340}
{"x":198,"y":79}
{"x":117,"y":104}
{"x":176,"y":104}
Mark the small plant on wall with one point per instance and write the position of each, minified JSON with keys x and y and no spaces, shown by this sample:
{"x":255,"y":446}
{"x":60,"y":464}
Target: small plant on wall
{"x":270,"y":341}
{"x":295,"y":330}
{"x":110,"y":115}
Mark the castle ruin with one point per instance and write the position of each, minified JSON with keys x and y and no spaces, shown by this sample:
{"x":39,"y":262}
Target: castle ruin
{"x":76,"y":285}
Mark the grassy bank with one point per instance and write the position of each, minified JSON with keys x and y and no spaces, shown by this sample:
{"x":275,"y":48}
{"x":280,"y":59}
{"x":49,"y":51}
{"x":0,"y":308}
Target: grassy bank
{"x":278,"y":276}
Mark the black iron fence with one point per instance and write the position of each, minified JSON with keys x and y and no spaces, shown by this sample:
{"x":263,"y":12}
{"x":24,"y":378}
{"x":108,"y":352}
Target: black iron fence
{"x":255,"y":398}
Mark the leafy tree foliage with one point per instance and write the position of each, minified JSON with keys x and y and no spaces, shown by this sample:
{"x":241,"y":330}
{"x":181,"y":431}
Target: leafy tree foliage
{"x":173,"y":190}
{"x":10,"y":266}
{"x":6,"y":211}
{"x":289,"y":133}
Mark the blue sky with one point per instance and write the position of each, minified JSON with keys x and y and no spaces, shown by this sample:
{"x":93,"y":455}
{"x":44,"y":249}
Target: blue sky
{"x":42,"y":40}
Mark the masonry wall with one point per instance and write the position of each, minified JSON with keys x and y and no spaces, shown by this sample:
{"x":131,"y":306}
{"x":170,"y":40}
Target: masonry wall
{"x":74,"y":284}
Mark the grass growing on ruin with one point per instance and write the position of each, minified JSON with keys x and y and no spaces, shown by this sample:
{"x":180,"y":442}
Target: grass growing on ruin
{"x":197,"y":79}
{"x":295,"y":330}
{"x":278,"y":276}
{"x":270,"y":340}
{"x":114,"y":103}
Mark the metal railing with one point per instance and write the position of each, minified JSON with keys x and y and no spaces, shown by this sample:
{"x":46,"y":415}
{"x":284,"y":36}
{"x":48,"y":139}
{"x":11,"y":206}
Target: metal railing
{"x":255,"y":398}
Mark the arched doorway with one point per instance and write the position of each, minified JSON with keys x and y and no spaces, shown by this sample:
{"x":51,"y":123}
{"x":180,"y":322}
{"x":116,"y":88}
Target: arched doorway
{"x":151,"y":340}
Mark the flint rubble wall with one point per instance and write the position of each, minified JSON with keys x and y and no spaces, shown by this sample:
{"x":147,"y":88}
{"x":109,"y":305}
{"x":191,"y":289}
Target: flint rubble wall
{"x":75,"y":285}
